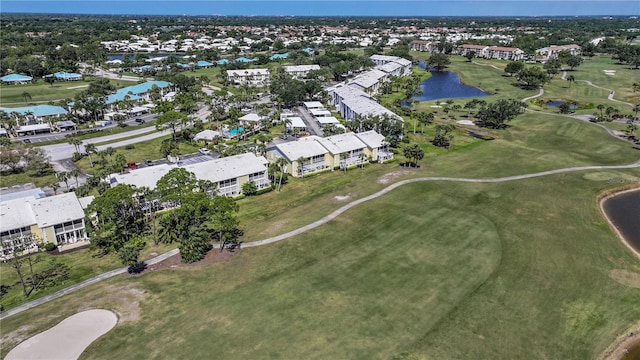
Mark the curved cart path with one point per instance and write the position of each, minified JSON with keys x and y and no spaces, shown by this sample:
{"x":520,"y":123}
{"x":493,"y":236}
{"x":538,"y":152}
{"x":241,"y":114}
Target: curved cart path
{"x":315,"y":224}
{"x":611,"y":92}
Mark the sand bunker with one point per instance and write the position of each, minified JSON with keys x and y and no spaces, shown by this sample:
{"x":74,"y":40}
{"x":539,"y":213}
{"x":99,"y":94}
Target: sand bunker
{"x":342,"y":197}
{"x":68,"y":339}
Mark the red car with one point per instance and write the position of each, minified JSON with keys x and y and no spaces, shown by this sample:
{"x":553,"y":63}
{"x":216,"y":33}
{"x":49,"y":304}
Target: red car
{"x":131,"y":165}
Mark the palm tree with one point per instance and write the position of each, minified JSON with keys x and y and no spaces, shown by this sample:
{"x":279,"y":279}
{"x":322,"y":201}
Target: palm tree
{"x":26,"y":96}
{"x":425,"y":119}
{"x":64,"y":176}
{"x":75,"y":173}
{"x":55,"y":186}
{"x":571,"y":79}
{"x":90,"y":149}
{"x":287,"y":123}
{"x":282,"y":165}
{"x":76,"y":144}
{"x":636,"y":109}
{"x":300,"y":161}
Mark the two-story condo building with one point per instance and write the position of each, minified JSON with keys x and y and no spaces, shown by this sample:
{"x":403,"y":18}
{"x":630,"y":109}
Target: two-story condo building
{"x":228,"y":173}
{"x":57,"y":219}
{"x":253,"y":77}
{"x":300,"y":71}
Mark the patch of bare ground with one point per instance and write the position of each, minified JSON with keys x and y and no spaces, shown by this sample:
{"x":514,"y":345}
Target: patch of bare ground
{"x":274,"y":227}
{"x":389,"y":177}
{"x":213,"y":256}
{"x":618,"y":349}
{"x":625,"y":277}
{"x":340,"y":198}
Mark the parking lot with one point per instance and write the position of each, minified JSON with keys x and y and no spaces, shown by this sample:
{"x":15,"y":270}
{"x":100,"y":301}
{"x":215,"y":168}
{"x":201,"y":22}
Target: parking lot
{"x":195,"y":158}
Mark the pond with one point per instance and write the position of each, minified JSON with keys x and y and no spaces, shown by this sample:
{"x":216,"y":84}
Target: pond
{"x":557,"y":103}
{"x":445,"y":85}
{"x":623,"y":210}
{"x":633,"y":353}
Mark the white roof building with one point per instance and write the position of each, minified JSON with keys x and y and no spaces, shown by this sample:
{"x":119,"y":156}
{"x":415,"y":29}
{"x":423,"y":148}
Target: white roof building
{"x":300,"y":71}
{"x":252,"y":117}
{"x":57,"y":209}
{"x":296,"y":123}
{"x":207,"y":135}
{"x":306,"y":147}
{"x":326,"y":120}
{"x":381,"y":60}
{"x":57,"y":219}
{"x":369,"y":81}
{"x":318,"y":113}
{"x":16,"y":214}
{"x":310,"y":105}
{"x":254,"y":77}
{"x":228,"y":173}
{"x":342,"y":143}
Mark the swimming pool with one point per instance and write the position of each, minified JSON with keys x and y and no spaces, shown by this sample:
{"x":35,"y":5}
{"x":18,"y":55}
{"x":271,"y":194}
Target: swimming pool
{"x":235,"y":131}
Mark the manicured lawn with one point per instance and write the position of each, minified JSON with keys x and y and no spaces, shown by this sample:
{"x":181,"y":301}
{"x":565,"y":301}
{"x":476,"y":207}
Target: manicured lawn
{"x":41,"y":92}
{"x":82,"y":264}
{"x":27,"y":177}
{"x":514,"y":269}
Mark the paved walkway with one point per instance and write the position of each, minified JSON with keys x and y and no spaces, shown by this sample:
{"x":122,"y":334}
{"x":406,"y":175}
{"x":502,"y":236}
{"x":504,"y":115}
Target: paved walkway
{"x":489,"y":65}
{"x":611,"y":92}
{"x":81,"y":285}
{"x":313,"y":225}
{"x":540,"y":93}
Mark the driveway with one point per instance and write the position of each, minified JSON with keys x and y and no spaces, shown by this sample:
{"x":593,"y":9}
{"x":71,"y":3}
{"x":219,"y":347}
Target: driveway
{"x":310,"y":121}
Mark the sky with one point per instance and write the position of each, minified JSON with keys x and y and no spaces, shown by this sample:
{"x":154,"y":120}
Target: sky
{"x":329,"y":8}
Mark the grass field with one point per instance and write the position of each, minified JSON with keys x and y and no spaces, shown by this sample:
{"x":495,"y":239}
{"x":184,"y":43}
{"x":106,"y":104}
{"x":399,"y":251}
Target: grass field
{"x":41,"y":92}
{"x":431,"y":270}
{"x":26,"y":177}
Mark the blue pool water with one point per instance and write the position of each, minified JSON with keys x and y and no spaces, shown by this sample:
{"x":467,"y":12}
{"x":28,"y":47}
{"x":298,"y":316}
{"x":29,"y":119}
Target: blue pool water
{"x":235,"y":131}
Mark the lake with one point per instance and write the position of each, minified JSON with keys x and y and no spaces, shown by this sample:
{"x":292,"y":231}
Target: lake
{"x":445,"y":85}
{"x":623,"y":210}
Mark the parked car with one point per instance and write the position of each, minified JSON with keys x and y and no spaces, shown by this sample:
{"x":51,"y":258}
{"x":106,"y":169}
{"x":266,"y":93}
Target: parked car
{"x":204,"y":151}
{"x":132,"y":165}
{"x":140,"y":121}
{"x":148,"y":162}
{"x":27,"y":141}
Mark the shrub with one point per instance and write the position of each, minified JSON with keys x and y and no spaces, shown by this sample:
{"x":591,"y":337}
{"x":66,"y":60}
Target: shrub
{"x":137,"y":268}
{"x":76,"y":156}
{"x":266,"y":190}
{"x":130,"y":147}
{"x":50,"y":246}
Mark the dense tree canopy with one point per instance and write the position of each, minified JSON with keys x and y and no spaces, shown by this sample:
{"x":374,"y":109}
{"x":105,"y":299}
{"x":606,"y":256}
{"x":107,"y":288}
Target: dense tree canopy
{"x":497,"y":115}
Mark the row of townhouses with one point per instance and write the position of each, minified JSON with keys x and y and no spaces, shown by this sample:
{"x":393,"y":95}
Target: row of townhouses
{"x":314,"y":154}
{"x":499,"y":52}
